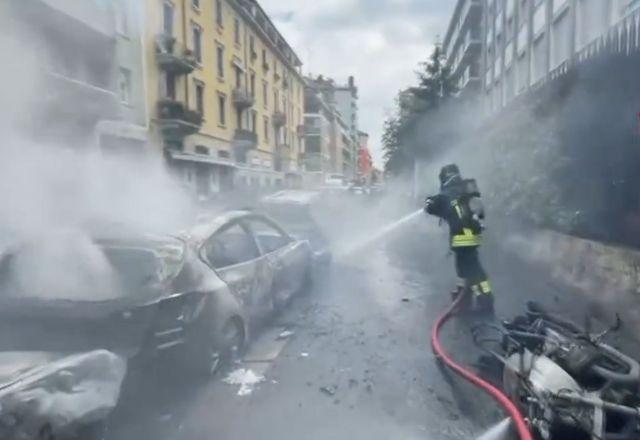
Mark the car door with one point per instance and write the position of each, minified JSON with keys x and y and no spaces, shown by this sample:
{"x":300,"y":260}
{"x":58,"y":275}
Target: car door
{"x":234,"y":254}
{"x":288,"y":258}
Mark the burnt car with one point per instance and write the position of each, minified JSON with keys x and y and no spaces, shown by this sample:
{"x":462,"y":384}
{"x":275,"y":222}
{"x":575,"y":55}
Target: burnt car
{"x":148,"y":299}
{"x":157,"y":301}
{"x":58,"y":396}
{"x":262,"y":264}
{"x":298,"y":212}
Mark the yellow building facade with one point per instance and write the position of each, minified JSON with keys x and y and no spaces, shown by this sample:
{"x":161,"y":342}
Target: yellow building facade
{"x":225,"y":94}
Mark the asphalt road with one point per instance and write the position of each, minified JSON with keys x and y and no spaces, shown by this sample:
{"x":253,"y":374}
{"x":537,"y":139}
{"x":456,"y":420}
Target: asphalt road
{"x":355,"y":362}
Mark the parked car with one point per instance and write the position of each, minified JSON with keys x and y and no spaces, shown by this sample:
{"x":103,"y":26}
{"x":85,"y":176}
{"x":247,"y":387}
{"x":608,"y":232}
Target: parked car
{"x":335,"y":180}
{"x":297,"y":210}
{"x":148,"y":299}
{"x":157,"y":301}
{"x":47,"y":395}
{"x":262,"y":264}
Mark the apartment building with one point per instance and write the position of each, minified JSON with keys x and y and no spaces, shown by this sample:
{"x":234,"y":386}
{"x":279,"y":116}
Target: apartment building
{"x":319,"y":117}
{"x":346,"y":101}
{"x":527,"y":42}
{"x":226,"y":94}
{"x":331,"y":143}
{"x":85,"y":59}
{"x":462,"y":46}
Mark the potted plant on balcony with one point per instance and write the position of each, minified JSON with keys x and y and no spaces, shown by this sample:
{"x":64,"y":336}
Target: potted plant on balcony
{"x":165,"y":43}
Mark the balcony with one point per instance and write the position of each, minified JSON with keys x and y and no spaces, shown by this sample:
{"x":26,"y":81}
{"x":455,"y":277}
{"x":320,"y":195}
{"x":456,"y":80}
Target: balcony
{"x":173,"y":57}
{"x":242,"y":98}
{"x":79,"y":19}
{"x":244,"y":141}
{"x":176,"y":121}
{"x":78,"y":99}
{"x":279,"y":118}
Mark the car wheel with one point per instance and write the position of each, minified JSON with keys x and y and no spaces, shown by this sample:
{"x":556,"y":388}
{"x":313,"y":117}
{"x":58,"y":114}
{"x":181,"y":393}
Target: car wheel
{"x":228,"y":346}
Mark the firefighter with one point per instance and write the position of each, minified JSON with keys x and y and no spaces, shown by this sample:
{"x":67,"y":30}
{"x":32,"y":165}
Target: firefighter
{"x":459,"y":204}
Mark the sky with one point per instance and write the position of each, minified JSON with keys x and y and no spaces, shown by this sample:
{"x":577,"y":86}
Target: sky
{"x":380,"y":42}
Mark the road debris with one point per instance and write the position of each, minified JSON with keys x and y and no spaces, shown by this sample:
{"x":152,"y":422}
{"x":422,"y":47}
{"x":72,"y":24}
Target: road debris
{"x":286,"y":334}
{"x":304,"y":355}
{"x":246,"y":378}
{"x":330,"y":390}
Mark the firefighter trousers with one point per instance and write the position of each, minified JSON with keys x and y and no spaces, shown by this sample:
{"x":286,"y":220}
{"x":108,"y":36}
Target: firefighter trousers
{"x":473,"y":276}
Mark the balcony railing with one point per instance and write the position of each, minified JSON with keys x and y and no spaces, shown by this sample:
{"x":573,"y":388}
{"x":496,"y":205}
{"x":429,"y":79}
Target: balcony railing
{"x":71,"y":16}
{"x":310,"y":130}
{"x":279,"y":118}
{"x":242,"y":98}
{"x":176,"y":121}
{"x":174,"y":57}
{"x":69,"y":96}
{"x":244,"y":141}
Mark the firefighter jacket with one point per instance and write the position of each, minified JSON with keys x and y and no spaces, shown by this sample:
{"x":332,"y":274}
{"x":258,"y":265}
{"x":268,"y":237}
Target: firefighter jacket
{"x":459,"y":208}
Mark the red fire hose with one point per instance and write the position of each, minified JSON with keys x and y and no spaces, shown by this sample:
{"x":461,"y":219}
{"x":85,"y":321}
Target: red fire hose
{"x":518,"y":420}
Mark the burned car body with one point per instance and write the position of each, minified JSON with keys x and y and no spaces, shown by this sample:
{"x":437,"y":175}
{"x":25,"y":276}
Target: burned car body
{"x":262,"y":264}
{"x":52,"y":395}
{"x":145,"y":298}
{"x":149,"y":303}
{"x":297,"y":210}
{"x":566,"y":380}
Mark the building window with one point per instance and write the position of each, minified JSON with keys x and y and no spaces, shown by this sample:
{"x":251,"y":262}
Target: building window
{"x":238,"y":77}
{"x":167,"y":18}
{"x":219,"y":19}
{"x":200,"y":97}
{"x":252,"y":84}
{"x":220,"y":60}
{"x":276,"y":99}
{"x":266,"y":128}
{"x":236,"y":30}
{"x":254,"y":121}
{"x":197,"y":43}
{"x":265,"y":93}
{"x":124,"y":85}
{"x":252,"y":48}
{"x":222,"y":109}
{"x":169,"y":84}
{"x":201,"y":149}
{"x":265,"y":60}
{"x":239,"y":124}
{"x":195,"y":4}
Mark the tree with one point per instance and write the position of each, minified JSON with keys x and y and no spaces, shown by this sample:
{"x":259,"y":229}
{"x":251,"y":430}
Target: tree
{"x":418,"y":130}
{"x":436,"y":85}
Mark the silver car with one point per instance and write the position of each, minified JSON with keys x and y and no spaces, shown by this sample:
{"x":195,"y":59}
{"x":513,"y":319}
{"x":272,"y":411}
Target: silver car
{"x":261,"y":263}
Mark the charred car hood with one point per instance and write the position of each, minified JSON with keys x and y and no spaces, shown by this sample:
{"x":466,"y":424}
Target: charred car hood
{"x":61,"y":391}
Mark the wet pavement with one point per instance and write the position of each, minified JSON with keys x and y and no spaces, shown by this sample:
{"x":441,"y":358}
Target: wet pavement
{"x":351,"y":359}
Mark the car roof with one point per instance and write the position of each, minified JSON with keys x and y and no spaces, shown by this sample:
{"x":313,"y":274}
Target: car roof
{"x":294,"y":197}
{"x":208,"y":225}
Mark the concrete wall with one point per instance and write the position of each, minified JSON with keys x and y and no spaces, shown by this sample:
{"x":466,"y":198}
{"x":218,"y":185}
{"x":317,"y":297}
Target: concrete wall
{"x":608,"y":276}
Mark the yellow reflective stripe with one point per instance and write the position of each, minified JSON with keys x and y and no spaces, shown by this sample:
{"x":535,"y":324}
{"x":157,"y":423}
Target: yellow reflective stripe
{"x":468,"y":238}
{"x":485,"y":287}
